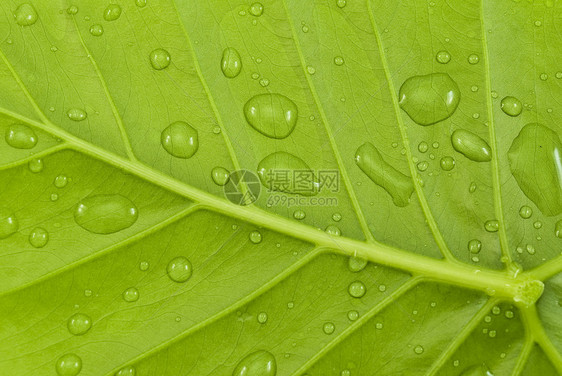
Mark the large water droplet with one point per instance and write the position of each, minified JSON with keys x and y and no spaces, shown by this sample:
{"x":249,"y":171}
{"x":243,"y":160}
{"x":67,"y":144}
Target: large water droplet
{"x":430,"y":98}
{"x":112,"y":12}
{"x":79,"y":324}
{"x":39,"y":237}
{"x":69,"y":365}
{"x":272,"y":171}
{"x":273,"y":115}
{"x":76,"y":114}
{"x":160,"y":59}
{"x":220,"y":175}
{"x":180,"y":140}
{"x":357,"y":289}
{"x":259,"y":363}
{"x":474,"y":246}
{"x":25,"y":15}
{"x":8,"y":223}
{"x":105,"y":214}
{"x":179,"y":269}
{"x":20,"y":136}
{"x":231,"y":63}
{"x":395,"y":183}
{"x":127,"y":371}
{"x":471,"y":146}
{"x":535,"y":158}
{"x":511,"y":106}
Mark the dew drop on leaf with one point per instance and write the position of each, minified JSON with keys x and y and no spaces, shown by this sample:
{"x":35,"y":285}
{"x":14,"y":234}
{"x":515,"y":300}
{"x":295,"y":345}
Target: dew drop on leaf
{"x":429,"y":99}
{"x":558,"y":229}
{"x":283,"y":161}
{"x":60,"y":181}
{"x":333,"y":230}
{"x":35,"y":165}
{"x":338,"y":60}
{"x":511,"y":106}
{"x":159,"y":58}
{"x":395,"y":183}
{"x":76,"y":114}
{"x":422,"y":166}
{"x":112,"y":12}
{"x":352,"y":315}
{"x":256,"y":9}
{"x":357,"y":289}
{"x":471,"y":146}
{"x":72,"y":10}
{"x":39,"y":237}
{"x":472,"y":187}
{"x":78,"y":324}
{"x":423,"y":147}
{"x":447,"y":163}
{"x":443,"y":57}
{"x":255,"y":237}
{"x":96,"y":30}
{"x":220,"y":175}
{"x":180,"y":140}
{"x":537,"y":224}
{"x":8,"y":223}
{"x":68,"y":365}
{"x":179,"y":269}
{"x":106,"y":213}
{"x":473,"y":59}
{"x":328,"y":328}
{"x":492,"y":225}
{"x":299,"y":214}
{"x":130,"y":295}
{"x":20,"y":136}
{"x":336,"y":217}
{"x":127,"y":371}
{"x":259,"y":363}
{"x":231,"y":63}
{"x":140,"y":3}
{"x":273,"y":115}
{"x":474,"y":246}
{"x":341,"y":3}
{"x":418,"y":349}
{"x":525,"y":212}
{"x":25,"y":15}
{"x":144,"y":265}
{"x":356,"y":264}
{"x":262,"y":317}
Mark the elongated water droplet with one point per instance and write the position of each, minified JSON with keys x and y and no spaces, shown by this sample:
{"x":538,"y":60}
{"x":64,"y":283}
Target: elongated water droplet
{"x":231,"y":63}
{"x":160,"y":59}
{"x":511,"y":106}
{"x":179,"y":269}
{"x":558,"y":229}
{"x":79,"y":324}
{"x":356,"y":264}
{"x":395,"y":183}
{"x":429,"y":99}
{"x":96,"y":30}
{"x":535,"y":159}
{"x":220,"y":175}
{"x":256,"y":9}
{"x":180,"y":140}
{"x":474,"y":246}
{"x":492,"y":225}
{"x":130,"y":295}
{"x":443,"y":57}
{"x":68,"y":365}
{"x":112,"y":12}
{"x":273,"y":115}
{"x":259,"y":363}
{"x":20,"y":136}
{"x":25,"y":15}
{"x":105,"y":214}
{"x":8,"y":223}
{"x":272,"y":171}
{"x":471,"y":146}
{"x":525,"y":212}
{"x":39,"y":237}
{"x":328,"y":328}
{"x":76,"y":114}
{"x":127,"y":371}
{"x":357,"y":289}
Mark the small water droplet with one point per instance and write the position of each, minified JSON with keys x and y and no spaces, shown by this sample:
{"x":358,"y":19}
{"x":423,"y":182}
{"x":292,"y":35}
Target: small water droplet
{"x":127,"y":371}
{"x":8,"y":223}
{"x":262,"y":317}
{"x":511,"y":106}
{"x":472,"y":187}
{"x":423,"y":147}
{"x":144,"y":265}
{"x":418,"y":349}
{"x":305,"y":29}
{"x":141,"y":3}
{"x":357,"y":289}
{"x":474,"y":246}
{"x":54,"y":197}
{"x":112,"y":12}
{"x":537,"y":225}
{"x":231,"y":63}
{"x":492,"y":225}
{"x":356,"y":264}
{"x":328,"y":328}
{"x":341,"y":3}
{"x":474,"y":88}
{"x":310,"y":69}
{"x":131,"y":295}
{"x":352,"y":315}
{"x":338,"y":60}
{"x":447,"y":163}
{"x":558,"y":229}
{"x":379,"y":325}
{"x":333,"y":230}
{"x":159,"y":58}
{"x":259,"y":363}
{"x":39,"y":237}
{"x":473,"y":59}
{"x":538,"y":23}
{"x":105,"y":214}
{"x":78,"y":324}
{"x":256,"y":9}
{"x":220,"y":175}
{"x":496,"y":310}
{"x":299,"y":215}
{"x":255,"y":237}
{"x":180,"y":140}
{"x":25,"y":15}
{"x":273,"y":115}
{"x":35,"y":165}
{"x":471,"y":146}
{"x":443,"y":57}
{"x":525,"y":212}
{"x":422,"y":166}
{"x":492,"y":333}
{"x":96,"y":30}
{"x":21,"y":136}
{"x":72,"y":10}
{"x":68,"y":365}
{"x":76,"y":114}
{"x":88,"y":293}
{"x":179,"y":269}
{"x":558,"y":75}
{"x":264,"y":82}
{"x":61,"y":181}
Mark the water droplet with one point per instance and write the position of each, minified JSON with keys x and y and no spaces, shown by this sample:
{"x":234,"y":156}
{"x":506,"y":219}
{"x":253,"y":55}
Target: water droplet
{"x":112,"y":12}
{"x":79,"y":324}
{"x":559,"y":75}
{"x":127,"y":371}
{"x":357,"y":289}
{"x":338,"y":60}
{"x":492,"y":333}
{"x":395,"y":183}
{"x":474,"y":88}
{"x":443,"y":57}
{"x":305,"y":29}
{"x":530,"y":249}
{"x":333,"y":230}
{"x":144,"y":265}
{"x":472,"y":187}
{"x":262,"y":317}
{"x":447,"y":163}
{"x":231,"y":63}
{"x":329,"y":328}
{"x":423,"y":147}
{"x":535,"y":160}
{"x":422,"y":166}
{"x":379,"y":325}
{"x":264,"y":82}
{"x":259,"y":363}
{"x":20,"y":136}
{"x":473,"y":59}
{"x":353,"y":315}
{"x":88,"y":293}
{"x":511,"y":106}
{"x":8,"y":223}
{"x":76,"y":114}
{"x":39,"y":237}
{"x":25,"y":15}
{"x":341,"y":3}
{"x":494,"y":94}
{"x":35,"y":165}
{"x":537,"y":224}
{"x":558,"y":229}
{"x":72,"y":10}
{"x":356,"y":264}
{"x":290,"y":305}
{"x":509,"y":314}
{"x":418,"y":349}
{"x":54,"y":197}
{"x":310,"y":69}
{"x":69,"y":365}
{"x":179,"y":269}
{"x":273,"y":115}
{"x":180,"y":140}
{"x":61,"y":181}
{"x":131,"y":295}
{"x":96,"y":30}
{"x":474,"y":246}
{"x":471,"y":146}
{"x":525,"y":212}
{"x":281,"y":161}
{"x":299,"y":215}
{"x":492,"y":225}
{"x":256,"y":9}
{"x":141,"y":3}
{"x":160,"y":59}
{"x":220,"y":175}
{"x":429,"y":99}
{"x":255,"y":237}
{"x":105,"y":214}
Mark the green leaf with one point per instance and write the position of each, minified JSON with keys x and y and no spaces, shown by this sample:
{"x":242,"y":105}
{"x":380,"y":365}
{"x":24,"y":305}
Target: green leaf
{"x":128,"y":124}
